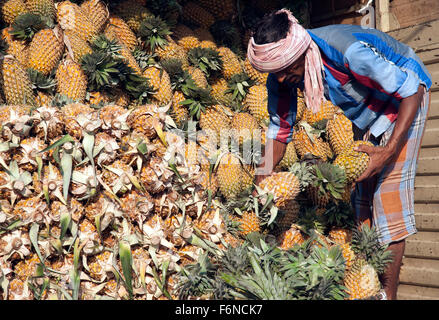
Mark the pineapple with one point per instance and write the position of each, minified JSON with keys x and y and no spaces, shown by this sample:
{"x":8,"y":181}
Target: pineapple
{"x":362,"y":280}
{"x":259,"y":77}
{"x":353,"y":162}
{"x":155,"y":176}
{"x":97,"y":12}
{"x":340,"y":133}
{"x":327,"y":111}
{"x":181,"y":31}
{"x":248,"y":223}
{"x":188,"y":42}
{"x":256,"y":103}
{"x":179,"y":112}
{"x":137,"y":206}
{"x":371,"y":259}
{"x":215,"y":119}
{"x":17,"y":86}
{"x":222,"y":10}
{"x":289,"y":157}
{"x":340,"y":235}
{"x":49,"y":122}
{"x":17,"y":48}
{"x":29,"y":148}
{"x":283,"y":185}
{"x":306,"y":140}
{"x":229,"y":174}
{"x":211,"y":225}
{"x":72,"y":17}
{"x":118,"y":28}
{"x":45,"y":8}
{"x":219,"y":91}
{"x":70,"y":115}
{"x":11,"y":9}
{"x":301,"y":106}
{"x":76,"y":46}
{"x":114,"y":119}
{"x":161,"y":83}
{"x":198,"y":76}
{"x":195,"y":14}
{"x":288,"y":239}
{"x":231,"y":64}
{"x":132,"y":13}
{"x":203,"y":34}
{"x":71,"y":80}
{"x":289,"y":217}
{"x":45,"y":50}
{"x":117,"y":177}
{"x":206,"y":59}
{"x":244,"y":126}
{"x":329,"y":183}
{"x":145,"y":119}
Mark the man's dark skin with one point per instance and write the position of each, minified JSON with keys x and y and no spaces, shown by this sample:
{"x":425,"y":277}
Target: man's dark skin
{"x":379,"y":157}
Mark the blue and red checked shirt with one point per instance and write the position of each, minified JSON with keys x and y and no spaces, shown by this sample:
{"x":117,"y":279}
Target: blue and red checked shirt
{"x":367,"y":74}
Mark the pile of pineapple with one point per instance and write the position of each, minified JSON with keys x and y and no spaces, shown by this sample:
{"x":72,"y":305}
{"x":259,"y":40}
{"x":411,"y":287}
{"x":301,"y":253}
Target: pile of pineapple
{"x":125,"y":172}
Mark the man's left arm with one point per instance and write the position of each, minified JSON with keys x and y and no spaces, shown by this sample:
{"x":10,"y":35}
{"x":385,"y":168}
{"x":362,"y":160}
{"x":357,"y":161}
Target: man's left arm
{"x":381,"y":156}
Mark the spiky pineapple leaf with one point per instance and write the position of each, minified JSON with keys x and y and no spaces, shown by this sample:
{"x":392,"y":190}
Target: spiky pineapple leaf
{"x":26,"y":25}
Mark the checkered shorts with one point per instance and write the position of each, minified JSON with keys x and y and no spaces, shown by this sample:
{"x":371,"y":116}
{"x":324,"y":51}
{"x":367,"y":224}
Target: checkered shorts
{"x":387,"y":199}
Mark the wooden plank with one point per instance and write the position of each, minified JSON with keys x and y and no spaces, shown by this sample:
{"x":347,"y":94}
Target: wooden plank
{"x":410,"y":292}
{"x":427,"y":189}
{"x":427,"y":222}
{"x":427,"y":207}
{"x":413,"y":12}
{"x":423,"y":272}
{"x":431,"y":134}
{"x":423,"y":245}
{"x":428,"y":162}
{"x":418,"y":36}
{"x":433,"y":112}
{"x":433,"y":69}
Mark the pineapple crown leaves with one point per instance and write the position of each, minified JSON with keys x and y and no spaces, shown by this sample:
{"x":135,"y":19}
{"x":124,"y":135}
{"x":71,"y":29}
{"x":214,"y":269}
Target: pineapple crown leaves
{"x":102,"y":70}
{"x":153,"y":31}
{"x":199,"y":99}
{"x":340,"y":215}
{"x":164,"y":8}
{"x":239,"y":85}
{"x":330,"y":179}
{"x":139,"y":88}
{"x":180,"y":78}
{"x":3,"y":47}
{"x":366,"y":244}
{"x":207,"y":59}
{"x":197,"y":279}
{"x":41,"y":81}
{"x":143,"y":59}
{"x":107,"y":46}
{"x":26,"y":25}
{"x":308,"y":220}
{"x":303,"y":171}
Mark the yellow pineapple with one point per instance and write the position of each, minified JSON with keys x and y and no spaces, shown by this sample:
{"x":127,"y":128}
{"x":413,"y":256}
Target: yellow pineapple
{"x":219,"y":87}
{"x":327,"y":111}
{"x":97,"y":12}
{"x":231,"y":63}
{"x":180,"y":31}
{"x":248,"y":223}
{"x":340,"y":133}
{"x":340,"y":235}
{"x":259,"y":77}
{"x":256,"y":103}
{"x":244,"y":126}
{"x":221,"y":9}
{"x":118,"y":28}
{"x":203,"y":34}
{"x":17,"y":86}
{"x":210,"y":44}
{"x":76,"y":46}
{"x":301,"y":106}
{"x":45,"y":8}
{"x":161,"y":83}
{"x":70,"y":114}
{"x":72,"y":17}
{"x":145,"y":119}
{"x":216,"y":120}
{"x":305,"y":141}
{"x":179,"y":112}
{"x":283,"y":185}
{"x":353,"y":162}
{"x":198,"y":76}
{"x":289,"y":157}
{"x":71,"y":80}
{"x":11,"y":9}
{"x":291,"y":237}
{"x":188,"y":42}
{"x":45,"y":50}
{"x":17,"y":48}
{"x":173,"y":51}
{"x":132,"y":13}
{"x":289,"y":217}
{"x":361,"y":280}
{"x":229,"y":173}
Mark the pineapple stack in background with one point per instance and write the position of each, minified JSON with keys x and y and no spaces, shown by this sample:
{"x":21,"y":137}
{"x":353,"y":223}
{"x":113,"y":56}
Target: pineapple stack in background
{"x":106,"y":192}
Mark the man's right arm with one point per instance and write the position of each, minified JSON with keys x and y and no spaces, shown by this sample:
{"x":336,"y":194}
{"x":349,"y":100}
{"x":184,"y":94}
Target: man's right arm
{"x":282,"y":107}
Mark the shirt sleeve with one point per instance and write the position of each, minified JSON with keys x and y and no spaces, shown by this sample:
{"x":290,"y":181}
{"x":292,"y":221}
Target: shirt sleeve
{"x":282,"y":108}
{"x":373,"y":70}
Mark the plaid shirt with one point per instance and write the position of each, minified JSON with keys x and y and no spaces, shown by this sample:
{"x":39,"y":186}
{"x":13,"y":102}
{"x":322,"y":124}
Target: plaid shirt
{"x":367,"y":74}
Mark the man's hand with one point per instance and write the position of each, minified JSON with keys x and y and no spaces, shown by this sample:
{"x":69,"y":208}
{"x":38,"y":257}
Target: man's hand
{"x":379,"y":157}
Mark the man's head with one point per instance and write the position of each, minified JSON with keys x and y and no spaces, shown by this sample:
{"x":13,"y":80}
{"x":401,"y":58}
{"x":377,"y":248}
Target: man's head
{"x":271,"y":29}
{"x":280,"y":45}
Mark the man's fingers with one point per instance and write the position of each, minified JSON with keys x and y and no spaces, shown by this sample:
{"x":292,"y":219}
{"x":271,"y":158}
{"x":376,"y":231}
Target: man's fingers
{"x":364,"y":148}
